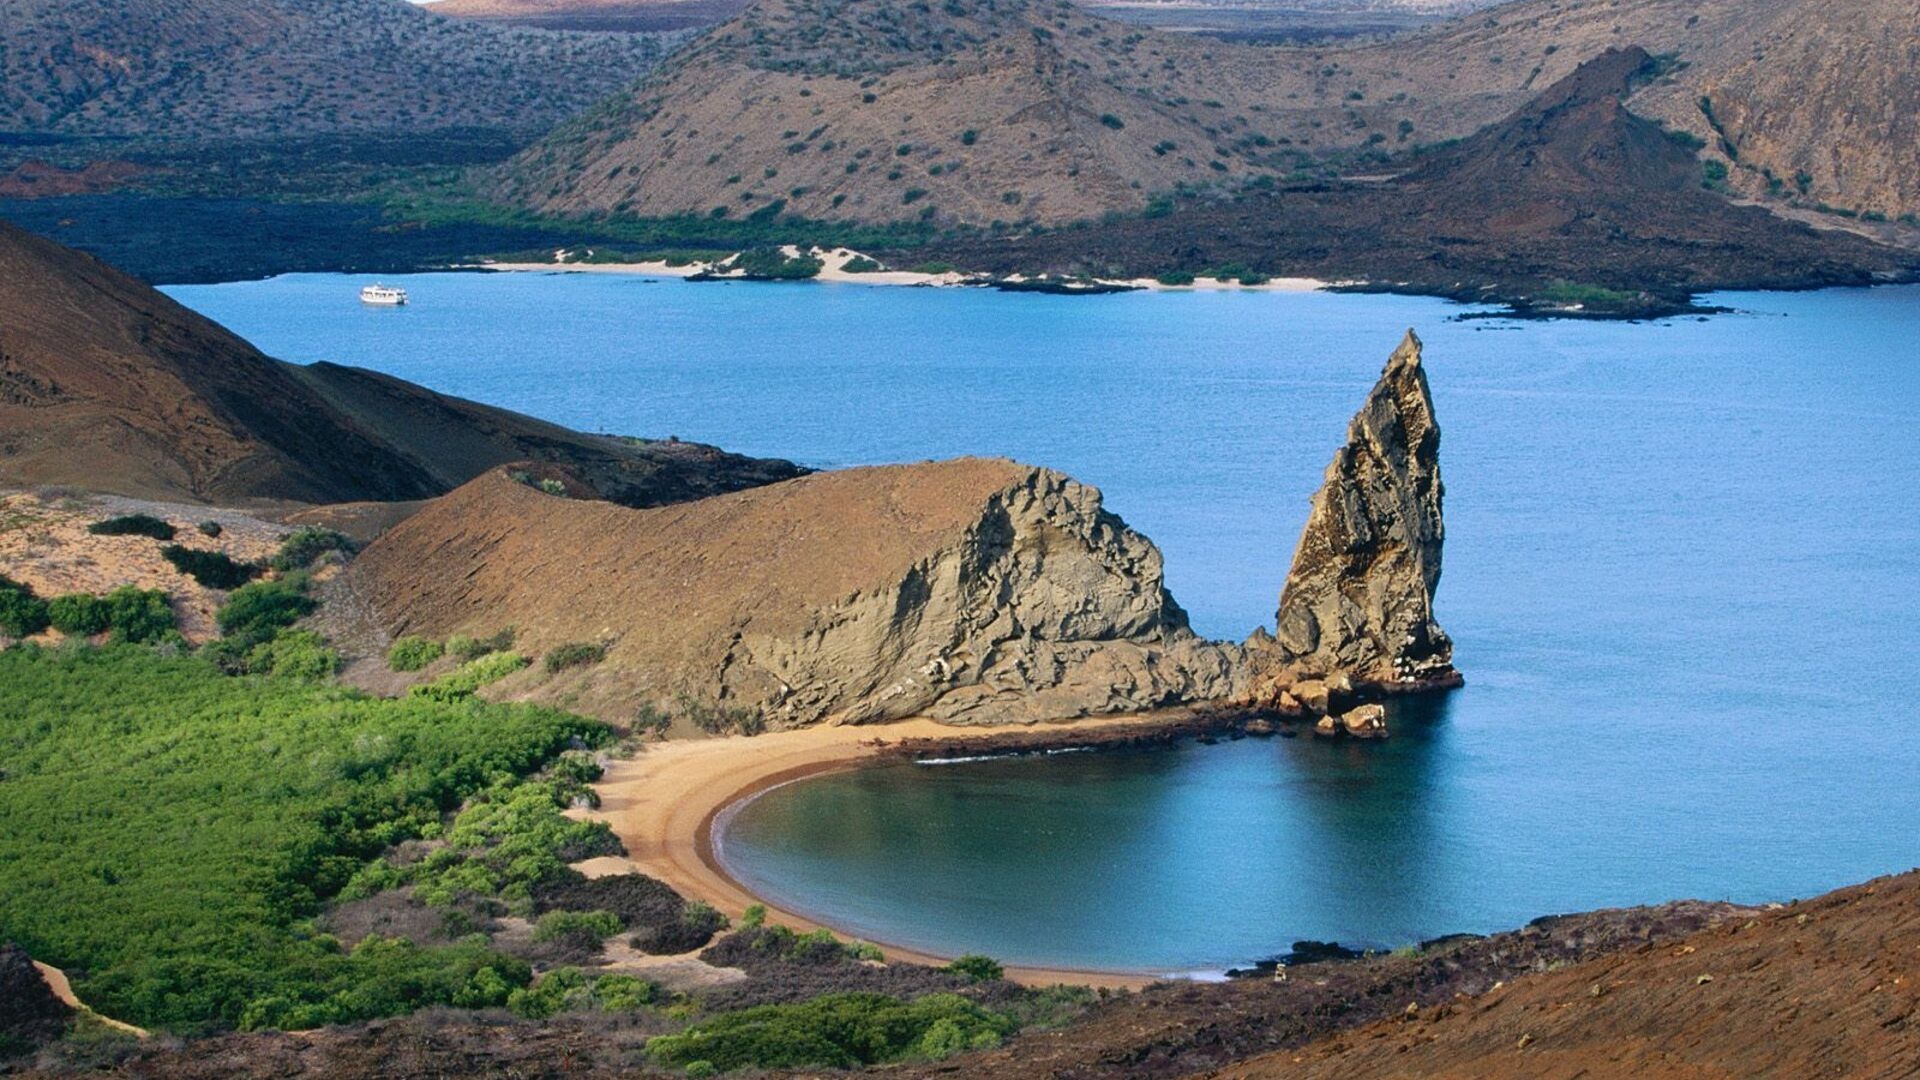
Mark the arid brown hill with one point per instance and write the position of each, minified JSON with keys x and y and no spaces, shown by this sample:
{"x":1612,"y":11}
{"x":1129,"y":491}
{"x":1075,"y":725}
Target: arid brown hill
{"x":1571,"y":188}
{"x":108,"y":385}
{"x":978,"y":111}
{"x":977,"y":591}
{"x":210,"y":69}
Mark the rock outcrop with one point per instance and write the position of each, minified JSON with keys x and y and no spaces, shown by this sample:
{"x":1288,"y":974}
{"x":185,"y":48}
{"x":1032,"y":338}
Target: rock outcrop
{"x":30,"y":1013}
{"x":974,"y":591}
{"x":1356,"y":615}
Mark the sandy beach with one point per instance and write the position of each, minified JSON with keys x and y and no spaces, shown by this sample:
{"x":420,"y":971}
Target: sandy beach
{"x":834,"y":271}
{"x":663,"y":803}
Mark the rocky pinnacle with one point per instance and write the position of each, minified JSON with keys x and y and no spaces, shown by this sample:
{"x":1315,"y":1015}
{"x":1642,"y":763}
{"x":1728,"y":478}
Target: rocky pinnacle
{"x":1356,"y":614}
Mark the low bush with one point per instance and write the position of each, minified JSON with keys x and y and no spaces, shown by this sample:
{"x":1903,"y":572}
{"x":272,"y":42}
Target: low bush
{"x":80,"y":614}
{"x":462,"y":681}
{"x":212,"y":569}
{"x":464,"y":648}
{"x":133,"y":525}
{"x":1175,"y":277}
{"x":597,"y":925}
{"x":210,"y":528}
{"x":568,"y":989}
{"x":837,"y":1031}
{"x":22,"y":614}
{"x":256,"y":612}
{"x":139,"y":615}
{"x":298,"y":551}
{"x":773,"y":264}
{"x":411,"y":653}
{"x":574,"y":654}
{"x":860,"y":264}
{"x":295,"y":654}
{"x":978,"y":968}
{"x":663,"y":923}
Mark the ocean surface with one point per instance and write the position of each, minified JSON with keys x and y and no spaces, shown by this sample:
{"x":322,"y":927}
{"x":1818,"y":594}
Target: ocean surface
{"x":1682,"y":575}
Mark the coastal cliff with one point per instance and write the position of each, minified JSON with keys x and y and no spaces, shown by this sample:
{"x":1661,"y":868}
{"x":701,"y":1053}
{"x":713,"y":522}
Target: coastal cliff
{"x":1356,"y":615}
{"x":972,"y":591}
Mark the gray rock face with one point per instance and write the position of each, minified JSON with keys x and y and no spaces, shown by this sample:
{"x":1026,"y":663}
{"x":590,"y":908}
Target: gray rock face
{"x":1358,"y":602}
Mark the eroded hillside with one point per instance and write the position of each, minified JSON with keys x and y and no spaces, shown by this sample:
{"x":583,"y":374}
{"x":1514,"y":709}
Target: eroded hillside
{"x":977,"y":111}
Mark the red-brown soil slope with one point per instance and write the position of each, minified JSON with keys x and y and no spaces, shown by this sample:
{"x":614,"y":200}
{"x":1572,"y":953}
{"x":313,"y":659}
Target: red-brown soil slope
{"x":108,"y":385}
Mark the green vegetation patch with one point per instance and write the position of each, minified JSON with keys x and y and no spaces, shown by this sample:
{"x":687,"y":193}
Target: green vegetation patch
{"x":166,"y":831}
{"x":412,"y":652}
{"x":212,"y":569}
{"x":837,"y":1031}
{"x":461,"y":682}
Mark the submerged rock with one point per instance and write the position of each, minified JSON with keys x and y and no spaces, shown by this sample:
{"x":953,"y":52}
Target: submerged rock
{"x":1356,"y":615}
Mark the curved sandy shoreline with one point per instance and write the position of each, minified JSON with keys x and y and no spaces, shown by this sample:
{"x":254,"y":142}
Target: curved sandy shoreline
{"x":663,"y":802}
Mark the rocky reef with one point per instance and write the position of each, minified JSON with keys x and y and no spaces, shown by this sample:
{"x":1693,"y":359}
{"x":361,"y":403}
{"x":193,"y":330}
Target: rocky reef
{"x":973,"y":591}
{"x":1356,"y":615}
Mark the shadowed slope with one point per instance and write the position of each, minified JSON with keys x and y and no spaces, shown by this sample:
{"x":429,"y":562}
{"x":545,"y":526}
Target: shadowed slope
{"x":109,"y":385}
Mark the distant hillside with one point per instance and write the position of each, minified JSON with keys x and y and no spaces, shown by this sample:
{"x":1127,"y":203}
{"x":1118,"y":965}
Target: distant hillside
{"x":596,"y":15}
{"x":976,"y":111}
{"x":106,"y":384}
{"x":1571,"y":200}
{"x":243,"y":68}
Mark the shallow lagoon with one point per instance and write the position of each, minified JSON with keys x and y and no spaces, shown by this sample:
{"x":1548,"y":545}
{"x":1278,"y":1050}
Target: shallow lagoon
{"x":1683,"y":560}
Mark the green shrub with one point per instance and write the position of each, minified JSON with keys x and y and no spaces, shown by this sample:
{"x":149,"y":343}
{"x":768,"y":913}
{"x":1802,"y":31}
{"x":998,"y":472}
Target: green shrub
{"x":978,"y":968}
{"x":138,"y":615}
{"x":755,"y":916}
{"x":860,"y":264}
{"x":462,"y":681}
{"x":258,"y":611}
{"x":295,"y":654}
{"x":552,"y":486}
{"x":1175,"y":277}
{"x":574,"y":654}
{"x":210,"y":528}
{"x":1112,"y":121}
{"x":568,"y":989}
{"x":507,"y":840}
{"x":835,"y":1031}
{"x":465,"y":648}
{"x":80,"y":614}
{"x":212,"y":569}
{"x":133,"y":525}
{"x":22,"y":614}
{"x":412,"y":652}
{"x":716,"y":719}
{"x":600,"y":925}
{"x":297,"y":552}
{"x":649,"y":719}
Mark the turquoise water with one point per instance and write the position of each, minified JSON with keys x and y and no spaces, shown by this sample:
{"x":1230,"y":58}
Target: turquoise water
{"x":1682,"y":569}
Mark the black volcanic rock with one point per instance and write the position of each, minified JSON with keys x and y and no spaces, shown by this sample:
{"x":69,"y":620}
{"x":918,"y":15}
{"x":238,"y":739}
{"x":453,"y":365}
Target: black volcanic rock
{"x":30,"y":1014}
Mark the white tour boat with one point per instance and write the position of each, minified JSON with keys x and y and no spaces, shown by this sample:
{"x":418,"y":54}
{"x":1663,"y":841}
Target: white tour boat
{"x":387,"y":295}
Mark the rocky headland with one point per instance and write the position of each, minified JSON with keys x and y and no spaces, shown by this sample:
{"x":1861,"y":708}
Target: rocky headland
{"x":971,"y":591}
{"x":1356,"y":615}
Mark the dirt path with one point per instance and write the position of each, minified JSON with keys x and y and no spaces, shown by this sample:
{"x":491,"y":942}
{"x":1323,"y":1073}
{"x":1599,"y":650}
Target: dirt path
{"x":62,"y":989}
{"x":663,"y":803}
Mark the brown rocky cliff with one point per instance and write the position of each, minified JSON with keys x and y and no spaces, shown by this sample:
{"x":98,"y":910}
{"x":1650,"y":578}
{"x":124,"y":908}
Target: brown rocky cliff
{"x":1358,"y":603}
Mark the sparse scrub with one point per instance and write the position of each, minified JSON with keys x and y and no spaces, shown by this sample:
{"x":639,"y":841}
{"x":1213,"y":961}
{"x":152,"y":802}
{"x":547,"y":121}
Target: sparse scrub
{"x":300,"y":550}
{"x":837,"y":1031}
{"x":574,"y":654}
{"x":469,"y":677}
{"x":212,"y":569}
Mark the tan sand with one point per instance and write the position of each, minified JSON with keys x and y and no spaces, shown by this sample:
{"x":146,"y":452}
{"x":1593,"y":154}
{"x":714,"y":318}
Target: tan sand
{"x":663,"y":802}
{"x":834,"y":271}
